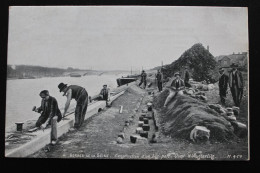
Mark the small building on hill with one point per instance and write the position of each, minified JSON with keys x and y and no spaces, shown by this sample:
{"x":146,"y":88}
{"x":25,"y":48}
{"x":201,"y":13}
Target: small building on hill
{"x":227,"y":60}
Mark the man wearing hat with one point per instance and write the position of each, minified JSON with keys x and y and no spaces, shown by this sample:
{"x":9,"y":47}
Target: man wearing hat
{"x":175,"y":88}
{"x":236,"y":84}
{"x":81,"y":96}
{"x":48,"y":109}
{"x":223,"y":83}
{"x":143,"y":79}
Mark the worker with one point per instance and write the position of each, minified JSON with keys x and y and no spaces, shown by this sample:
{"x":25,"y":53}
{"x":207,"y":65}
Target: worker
{"x":175,"y":88}
{"x":187,"y":78}
{"x":159,"y":78}
{"x":236,"y":84}
{"x":81,"y":96}
{"x":143,"y":79}
{"x":223,"y":84}
{"x":104,"y":94}
{"x":48,"y":109}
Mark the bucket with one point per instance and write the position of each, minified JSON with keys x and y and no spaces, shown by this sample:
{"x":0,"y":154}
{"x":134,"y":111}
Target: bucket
{"x":19,"y":126}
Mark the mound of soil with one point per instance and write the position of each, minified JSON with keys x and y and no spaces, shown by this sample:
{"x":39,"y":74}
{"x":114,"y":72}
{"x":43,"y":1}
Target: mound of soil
{"x":183,"y":113}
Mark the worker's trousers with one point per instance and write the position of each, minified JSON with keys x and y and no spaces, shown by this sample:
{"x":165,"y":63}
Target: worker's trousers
{"x":172,"y":95}
{"x":81,"y":109}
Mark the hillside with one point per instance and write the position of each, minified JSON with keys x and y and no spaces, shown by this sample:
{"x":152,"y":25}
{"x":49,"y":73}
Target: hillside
{"x":200,"y":62}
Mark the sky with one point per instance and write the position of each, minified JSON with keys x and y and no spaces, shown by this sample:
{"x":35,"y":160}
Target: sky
{"x":120,"y":37}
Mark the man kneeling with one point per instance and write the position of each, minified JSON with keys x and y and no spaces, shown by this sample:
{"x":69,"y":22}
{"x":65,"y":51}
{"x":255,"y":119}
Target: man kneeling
{"x":176,"y":87}
{"x":48,"y":109}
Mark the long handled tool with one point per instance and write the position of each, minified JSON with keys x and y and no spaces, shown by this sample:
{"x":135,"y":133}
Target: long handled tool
{"x":68,"y":115}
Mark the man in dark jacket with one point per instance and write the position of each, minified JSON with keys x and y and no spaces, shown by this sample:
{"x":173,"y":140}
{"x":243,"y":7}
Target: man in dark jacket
{"x":48,"y":109}
{"x":187,"y":78}
{"x":159,"y":78}
{"x":236,"y":84}
{"x":223,"y":84}
{"x":143,"y":79}
{"x":176,"y":88}
{"x":81,"y":96}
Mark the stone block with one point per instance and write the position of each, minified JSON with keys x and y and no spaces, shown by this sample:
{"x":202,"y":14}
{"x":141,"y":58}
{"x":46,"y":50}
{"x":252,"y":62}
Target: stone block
{"x":146,"y":127}
{"x":133,"y":138}
{"x":141,"y":118}
{"x":140,"y":123}
{"x":144,"y":134}
{"x":139,"y":130}
{"x":146,"y":121}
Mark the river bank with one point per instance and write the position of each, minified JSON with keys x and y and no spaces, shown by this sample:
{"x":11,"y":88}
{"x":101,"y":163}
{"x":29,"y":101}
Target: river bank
{"x":23,"y":94}
{"x":97,"y":138}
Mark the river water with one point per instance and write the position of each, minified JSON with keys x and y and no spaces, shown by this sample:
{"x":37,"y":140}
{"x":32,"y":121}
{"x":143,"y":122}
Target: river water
{"x":23,"y":94}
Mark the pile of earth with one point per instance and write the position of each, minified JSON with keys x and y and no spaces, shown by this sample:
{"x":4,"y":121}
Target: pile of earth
{"x":183,"y":113}
{"x":200,"y":63}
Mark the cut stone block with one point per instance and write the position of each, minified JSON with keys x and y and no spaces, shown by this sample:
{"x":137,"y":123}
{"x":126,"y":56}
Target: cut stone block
{"x":140,"y":123}
{"x":141,"y":118}
{"x":139,"y":130}
{"x":133,"y":138}
{"x":146,"y":121}
{"x":146,"y":127}
{"x":144,"y":134}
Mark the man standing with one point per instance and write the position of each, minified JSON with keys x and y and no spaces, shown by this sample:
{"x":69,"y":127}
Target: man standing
{"x":159,"y":78}
{"x":223,"y":83}
{"x":187,"y":78}
{"x":236,"y":84}
{"x":175,"y":88}
{"x":143,"y":79}
{"x":81,"y":96}
{"x":48,"y":109}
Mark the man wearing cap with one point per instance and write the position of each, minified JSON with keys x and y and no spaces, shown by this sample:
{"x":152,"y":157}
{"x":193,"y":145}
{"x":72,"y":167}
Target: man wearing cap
{"x":143,"y":79}
{"x":187,"y":78}
{"x":48,"y":109}
{"x":81,"y":96}
{"x":175,"y":88}
{"x":236,"y":84}
{"x":159,"y":78}
{"x":223,"y":84}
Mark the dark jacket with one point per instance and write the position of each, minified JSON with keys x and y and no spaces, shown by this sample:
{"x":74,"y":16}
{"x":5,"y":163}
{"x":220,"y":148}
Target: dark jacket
{"x":104,"y":93}
{"x":143,"y":76}
{"x":223,"y":81}
{"x":50,"y":108}
{"x":159,"y":77}
{"x":236,"y":79}
{"x":181,"y":83}
{"x":187,"y":76}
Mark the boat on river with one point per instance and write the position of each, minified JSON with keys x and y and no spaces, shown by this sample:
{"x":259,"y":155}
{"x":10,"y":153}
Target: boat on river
{"x":125,"y":80}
